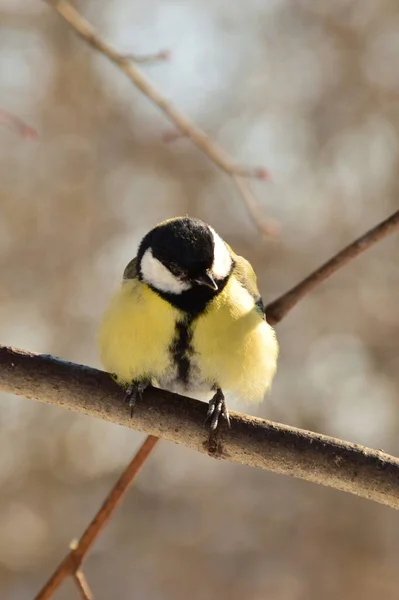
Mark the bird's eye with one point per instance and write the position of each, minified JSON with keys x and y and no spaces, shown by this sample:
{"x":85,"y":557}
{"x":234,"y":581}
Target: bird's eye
{"x":176,"y":271}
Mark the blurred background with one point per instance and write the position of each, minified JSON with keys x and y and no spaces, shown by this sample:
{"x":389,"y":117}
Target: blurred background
{"x":310,"y":90}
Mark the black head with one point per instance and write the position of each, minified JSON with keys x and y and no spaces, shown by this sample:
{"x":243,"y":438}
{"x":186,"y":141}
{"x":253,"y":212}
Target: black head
{"x":185,"y":261}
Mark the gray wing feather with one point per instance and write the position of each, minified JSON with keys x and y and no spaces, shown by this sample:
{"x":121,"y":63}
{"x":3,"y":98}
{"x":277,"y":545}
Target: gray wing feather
{"x":130,"y":271}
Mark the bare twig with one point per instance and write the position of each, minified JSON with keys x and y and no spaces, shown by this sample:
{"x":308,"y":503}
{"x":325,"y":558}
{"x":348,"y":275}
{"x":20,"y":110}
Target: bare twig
{"x":276,"y":310}
{"x":251,"y":441}
{"x":149,"y":58}
{"x":14,"y":122}
{"x":70,"y":565}
{"x":82,"y":585}
{"x":203,"y":142}
{"x":268,"y":227}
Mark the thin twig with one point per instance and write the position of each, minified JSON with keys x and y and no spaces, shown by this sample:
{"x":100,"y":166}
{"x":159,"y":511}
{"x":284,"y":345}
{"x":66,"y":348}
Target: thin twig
{"x":276,"y":310}
{"x":268,"y":227}
{"x":149,"y":58}
{"x":203,"y":142}
{"x":17,"y":124}
{"x":82,"y":585}
{"x":251,"y":441}
{"x":80,"y":578}
{"x":71,"y":563}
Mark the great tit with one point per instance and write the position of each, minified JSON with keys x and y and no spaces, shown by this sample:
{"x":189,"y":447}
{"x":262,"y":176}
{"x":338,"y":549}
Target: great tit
{"x":189,"y":318}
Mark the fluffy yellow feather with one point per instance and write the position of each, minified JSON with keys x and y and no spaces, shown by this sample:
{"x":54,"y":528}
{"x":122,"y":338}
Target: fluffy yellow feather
{"x":234,"y":344}
{"x":135,"y":333}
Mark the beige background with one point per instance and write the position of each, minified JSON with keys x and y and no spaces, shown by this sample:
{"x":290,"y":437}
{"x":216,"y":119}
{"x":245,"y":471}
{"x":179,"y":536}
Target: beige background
{"x":307,"y":88}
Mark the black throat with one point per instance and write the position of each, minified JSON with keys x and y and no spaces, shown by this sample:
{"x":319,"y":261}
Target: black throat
{"x":194,"y":301}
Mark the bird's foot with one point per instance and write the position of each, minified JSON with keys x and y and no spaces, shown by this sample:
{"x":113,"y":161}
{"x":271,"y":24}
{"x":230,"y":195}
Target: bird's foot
{"x":217,"y":407}
{"x":133,"y":392}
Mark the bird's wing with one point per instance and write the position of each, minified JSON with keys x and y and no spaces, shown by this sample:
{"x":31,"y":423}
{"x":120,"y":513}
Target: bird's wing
{"x":130,"y":271}
{"x":246,"y":276}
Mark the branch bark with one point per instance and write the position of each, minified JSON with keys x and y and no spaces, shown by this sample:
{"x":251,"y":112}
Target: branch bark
{"x":345,"y":466}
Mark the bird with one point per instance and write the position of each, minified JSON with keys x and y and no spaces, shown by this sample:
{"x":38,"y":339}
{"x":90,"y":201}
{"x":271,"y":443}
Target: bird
{"x":188,"y":318}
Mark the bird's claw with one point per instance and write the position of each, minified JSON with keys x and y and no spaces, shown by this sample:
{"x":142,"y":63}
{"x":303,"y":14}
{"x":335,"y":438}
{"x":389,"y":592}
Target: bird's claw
{"x":217,"y":407}
{"x":134,"y":391}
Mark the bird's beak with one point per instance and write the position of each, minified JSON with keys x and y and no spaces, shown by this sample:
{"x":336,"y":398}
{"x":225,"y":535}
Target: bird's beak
{"x":208,"y":280}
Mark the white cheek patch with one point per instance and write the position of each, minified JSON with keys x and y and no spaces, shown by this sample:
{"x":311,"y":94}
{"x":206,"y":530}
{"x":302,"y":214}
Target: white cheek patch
{"x":159,"y":277}
{"x":222,"y":261}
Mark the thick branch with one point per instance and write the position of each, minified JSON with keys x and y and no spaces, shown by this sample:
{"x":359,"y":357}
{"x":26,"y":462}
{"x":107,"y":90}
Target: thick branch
{"x":203,"y":142}
{"x":276,"y":310}
{"x":334,"y":463}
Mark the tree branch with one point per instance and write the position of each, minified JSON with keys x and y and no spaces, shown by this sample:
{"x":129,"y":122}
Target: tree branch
{"x":82,"y":585}
{"x":162,"y":55}
{"x":276,"y":310}
{"x":371,"y":474}
{"x":203,"y":142}
{"x":70,"y":565}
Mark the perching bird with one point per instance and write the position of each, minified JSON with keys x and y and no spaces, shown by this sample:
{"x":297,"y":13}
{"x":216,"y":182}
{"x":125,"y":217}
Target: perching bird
{"x":189,"y":318}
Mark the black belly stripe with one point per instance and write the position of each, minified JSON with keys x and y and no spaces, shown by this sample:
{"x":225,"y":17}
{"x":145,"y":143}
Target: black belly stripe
{"x":181,"y":348}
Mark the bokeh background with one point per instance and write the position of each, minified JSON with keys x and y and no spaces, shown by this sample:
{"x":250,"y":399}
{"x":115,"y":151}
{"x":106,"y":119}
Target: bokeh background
{"x":308,"y":89}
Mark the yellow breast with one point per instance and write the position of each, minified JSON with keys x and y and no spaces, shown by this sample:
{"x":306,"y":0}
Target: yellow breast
{"x":135,"y":333}
{"x":235,"y":346}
